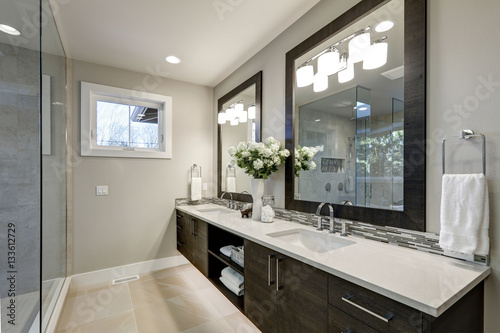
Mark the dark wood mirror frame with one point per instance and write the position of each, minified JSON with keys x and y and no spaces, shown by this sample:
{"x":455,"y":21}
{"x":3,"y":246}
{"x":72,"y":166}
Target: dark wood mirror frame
{"x":257,"y":80}
{"x":413,"y":216}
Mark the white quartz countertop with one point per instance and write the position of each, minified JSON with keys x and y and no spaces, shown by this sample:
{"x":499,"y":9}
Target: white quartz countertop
{"x":427,"y":282}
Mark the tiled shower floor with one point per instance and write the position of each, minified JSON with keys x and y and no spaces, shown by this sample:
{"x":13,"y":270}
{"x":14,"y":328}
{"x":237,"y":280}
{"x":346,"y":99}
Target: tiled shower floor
{"x":177,"y":299}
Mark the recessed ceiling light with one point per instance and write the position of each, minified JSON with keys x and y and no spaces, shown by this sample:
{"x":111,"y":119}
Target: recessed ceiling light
{"x":9,"y":30}
{"x":173,"y":59}
{"x":317,"y":120}
{"x":384,"y":26}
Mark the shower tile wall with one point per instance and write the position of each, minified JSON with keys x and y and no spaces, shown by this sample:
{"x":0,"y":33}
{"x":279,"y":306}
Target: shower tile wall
{"x":20,"y":165}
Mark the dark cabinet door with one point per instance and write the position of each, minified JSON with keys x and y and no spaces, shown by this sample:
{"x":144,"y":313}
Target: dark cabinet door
{"x":181,"y":233}
{"x":199,"y":246}
{"x":302,"y":300}
{"x":260,"y":286}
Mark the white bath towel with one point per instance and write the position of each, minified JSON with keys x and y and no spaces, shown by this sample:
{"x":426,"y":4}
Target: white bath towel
{"x":195,"y":189}
{"x":226,"y":250}
{"x":230,"y":184}
{"x":232,"y":287}
{"x":465,"y":214}
{"x":233,"y":276}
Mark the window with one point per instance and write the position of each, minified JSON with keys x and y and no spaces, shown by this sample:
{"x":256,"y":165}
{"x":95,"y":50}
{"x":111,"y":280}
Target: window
{"x":125,"y":123}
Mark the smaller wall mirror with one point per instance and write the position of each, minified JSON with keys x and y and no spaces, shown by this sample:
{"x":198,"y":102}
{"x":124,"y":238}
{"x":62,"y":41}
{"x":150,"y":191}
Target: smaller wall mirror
{"x":239,"y":120}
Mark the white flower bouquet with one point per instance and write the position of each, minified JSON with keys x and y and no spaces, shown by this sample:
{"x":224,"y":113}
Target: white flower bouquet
{"x":303,"y":159}
{"x":259,"y":159}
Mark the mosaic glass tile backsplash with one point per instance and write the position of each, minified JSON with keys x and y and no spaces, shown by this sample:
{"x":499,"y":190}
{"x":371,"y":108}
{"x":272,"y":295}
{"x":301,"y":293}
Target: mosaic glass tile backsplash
{"x":421,"y":241}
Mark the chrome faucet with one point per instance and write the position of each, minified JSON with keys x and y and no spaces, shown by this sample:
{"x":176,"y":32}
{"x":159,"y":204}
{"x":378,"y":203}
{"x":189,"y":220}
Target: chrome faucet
{"x":332,"y":219}
{"x":230,"y":203}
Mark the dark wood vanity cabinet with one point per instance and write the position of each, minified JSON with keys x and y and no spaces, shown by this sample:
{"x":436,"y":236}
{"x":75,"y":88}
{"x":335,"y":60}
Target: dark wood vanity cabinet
{"x":356,"y":309}
{"x":192,"y":240}
{"x":283,"y":294}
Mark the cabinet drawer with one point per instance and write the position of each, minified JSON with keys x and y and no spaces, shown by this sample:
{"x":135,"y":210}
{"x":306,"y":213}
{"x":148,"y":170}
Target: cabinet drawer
{"x":377,"y":311}
{"x":339,"y":321}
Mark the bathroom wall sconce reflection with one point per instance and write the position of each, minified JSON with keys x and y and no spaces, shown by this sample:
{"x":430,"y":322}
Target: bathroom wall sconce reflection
{"x":339,"y":58}
{"x":235,"y":114}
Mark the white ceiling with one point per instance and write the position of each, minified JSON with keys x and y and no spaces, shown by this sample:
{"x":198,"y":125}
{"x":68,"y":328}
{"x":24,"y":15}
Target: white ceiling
{"x":212,"y":37}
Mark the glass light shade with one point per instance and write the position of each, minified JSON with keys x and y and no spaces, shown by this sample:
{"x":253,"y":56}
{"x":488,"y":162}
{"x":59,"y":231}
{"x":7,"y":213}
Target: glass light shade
{"x":221,"y":118}
{"x":348,"y":73}
{"x":358,"y":47}
{"x":239,"y":108}
{"x":230,"y":114}
{"x":305,"y":76}
{"x":376,"y":56}
{"x":234,"y":121}
{"x":251,"y":112}
{"x":329,"y":62}
{"x":243,"y":116}
{"x":320,"y":82}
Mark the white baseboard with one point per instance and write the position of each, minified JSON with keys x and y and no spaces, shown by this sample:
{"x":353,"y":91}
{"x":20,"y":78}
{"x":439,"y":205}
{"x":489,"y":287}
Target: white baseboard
{"x":127,"y":270}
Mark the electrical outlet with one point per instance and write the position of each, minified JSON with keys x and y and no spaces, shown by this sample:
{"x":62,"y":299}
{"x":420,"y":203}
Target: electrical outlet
{"x":205,"y":186}
{"x":101,"y":190}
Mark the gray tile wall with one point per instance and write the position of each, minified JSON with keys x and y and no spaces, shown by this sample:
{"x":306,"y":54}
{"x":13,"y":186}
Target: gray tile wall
{"x":20,"y":164}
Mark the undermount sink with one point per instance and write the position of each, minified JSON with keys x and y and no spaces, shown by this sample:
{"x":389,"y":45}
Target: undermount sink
{"x":311,"y":240}
{"x":215,"y":210}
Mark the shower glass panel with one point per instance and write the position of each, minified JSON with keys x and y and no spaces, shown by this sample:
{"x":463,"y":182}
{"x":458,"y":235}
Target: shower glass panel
{"x":20,"y":174}
{"x":54,"y":167}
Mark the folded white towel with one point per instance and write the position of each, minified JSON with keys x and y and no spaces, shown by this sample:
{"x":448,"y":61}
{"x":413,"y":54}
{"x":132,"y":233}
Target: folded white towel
{"x":230,"y":184}
{"x":236,"y":278}
{"x":226,"y":250}
{"x":465,"y":215}
{"x":232,"y":287}
{"x":195,"y":189}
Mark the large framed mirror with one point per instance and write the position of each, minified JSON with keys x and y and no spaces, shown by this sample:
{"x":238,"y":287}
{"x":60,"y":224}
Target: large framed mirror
{"x":355,"y":91}
{"x":239,"y":114}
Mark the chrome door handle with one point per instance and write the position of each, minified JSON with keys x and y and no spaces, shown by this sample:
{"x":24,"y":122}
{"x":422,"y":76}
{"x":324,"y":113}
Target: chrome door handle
{"x":269,"y":268}
{"x":386,"y":319}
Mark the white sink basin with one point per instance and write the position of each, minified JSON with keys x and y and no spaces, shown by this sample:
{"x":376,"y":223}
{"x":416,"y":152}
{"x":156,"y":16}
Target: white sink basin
{"x":311,"y":240}
{"x":215,"y":210}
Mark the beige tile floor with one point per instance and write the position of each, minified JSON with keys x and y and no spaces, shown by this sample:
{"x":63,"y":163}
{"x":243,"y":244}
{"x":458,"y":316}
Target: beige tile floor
{"x":177,"y":299}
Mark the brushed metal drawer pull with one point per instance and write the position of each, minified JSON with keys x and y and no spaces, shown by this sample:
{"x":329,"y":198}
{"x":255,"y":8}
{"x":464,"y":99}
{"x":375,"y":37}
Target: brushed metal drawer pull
{"x":385,"y":319}
{"x":179,"y":216}
{"x":270,"y":282}
{"x":278,"y":260}
{"x":179,"y":243}
{"x":179,"y":227}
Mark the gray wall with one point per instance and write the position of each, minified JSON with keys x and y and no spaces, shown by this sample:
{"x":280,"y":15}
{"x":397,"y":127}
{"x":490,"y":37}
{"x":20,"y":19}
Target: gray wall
{"x":135,"y":222}
{"x":20,"y":165}
{"x":456,"y":80}
{"x":462,"y":49}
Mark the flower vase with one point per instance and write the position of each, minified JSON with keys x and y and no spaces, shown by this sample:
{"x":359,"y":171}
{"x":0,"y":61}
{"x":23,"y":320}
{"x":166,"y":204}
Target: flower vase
{"x":257,"y":189}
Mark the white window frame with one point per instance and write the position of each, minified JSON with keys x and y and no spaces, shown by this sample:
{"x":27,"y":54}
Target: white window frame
{"x":91,"y":93}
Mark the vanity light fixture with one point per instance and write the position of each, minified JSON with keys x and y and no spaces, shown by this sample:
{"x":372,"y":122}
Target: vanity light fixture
{"x":173,"y":59}
{"x":243,"y":116}
{"x":234,"y":121}
{"x":239,"y":108}
{"x":320,"y":82}
{"x":251,"y":111}
{"x":331,"y":61}
{"x":305,"y":75}
{"x":376,"y":55}
{"x":385,"y":26}
{"x":9,"y":30}
{"x":221,"y":117}
{"x":358,"y":47}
